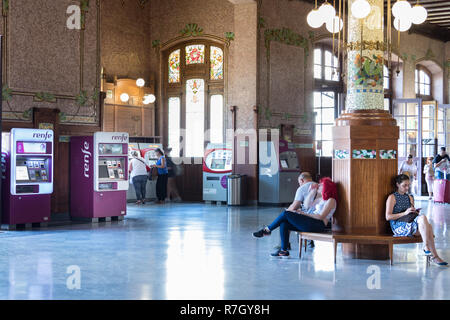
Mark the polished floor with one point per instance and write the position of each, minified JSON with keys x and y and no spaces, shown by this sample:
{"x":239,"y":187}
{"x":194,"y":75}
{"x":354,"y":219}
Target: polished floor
{"x":198,"y":251}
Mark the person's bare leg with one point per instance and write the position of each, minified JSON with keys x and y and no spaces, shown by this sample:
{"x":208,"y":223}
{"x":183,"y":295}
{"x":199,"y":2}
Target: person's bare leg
{"x":426,"y":230}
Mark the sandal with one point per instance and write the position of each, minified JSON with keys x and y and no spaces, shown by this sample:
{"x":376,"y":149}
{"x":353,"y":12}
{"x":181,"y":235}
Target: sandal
{"x":433,"y":260}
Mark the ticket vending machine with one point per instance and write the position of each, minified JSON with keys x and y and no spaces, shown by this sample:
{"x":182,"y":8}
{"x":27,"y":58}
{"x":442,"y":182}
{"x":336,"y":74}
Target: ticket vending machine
{"x":99,"y":176}
{"x":27,"y":176}
{"x":278,"y":172}
{"x":217,"y":165}
{"x":148,"y":152}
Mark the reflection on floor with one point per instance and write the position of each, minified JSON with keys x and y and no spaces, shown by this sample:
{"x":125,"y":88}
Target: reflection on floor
{"x":197,"y":251}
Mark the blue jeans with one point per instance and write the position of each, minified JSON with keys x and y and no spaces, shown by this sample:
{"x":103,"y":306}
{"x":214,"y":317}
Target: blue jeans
{"x":139,"y":183}
{"x":288,"y":220}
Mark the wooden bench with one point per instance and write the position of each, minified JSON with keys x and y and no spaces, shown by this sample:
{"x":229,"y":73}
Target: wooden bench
{"x":336,"y":238}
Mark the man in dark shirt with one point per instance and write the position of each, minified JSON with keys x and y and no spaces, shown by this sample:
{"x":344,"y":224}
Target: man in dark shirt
{"x":440,"y":158}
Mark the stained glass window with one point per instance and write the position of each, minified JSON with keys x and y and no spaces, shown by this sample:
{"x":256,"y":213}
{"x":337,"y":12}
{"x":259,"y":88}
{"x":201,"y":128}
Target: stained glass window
{"x":195,"y":117}
{"x":174,"y":67}
{"x":216,"y":63}
{"x":195,"y":54}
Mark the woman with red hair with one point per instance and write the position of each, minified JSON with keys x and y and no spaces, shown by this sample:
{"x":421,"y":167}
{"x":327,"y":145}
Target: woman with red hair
{"x":323,"y":202}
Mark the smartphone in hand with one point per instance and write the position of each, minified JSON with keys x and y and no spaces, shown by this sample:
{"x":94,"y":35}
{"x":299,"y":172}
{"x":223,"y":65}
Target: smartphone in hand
{"x":418,"y":209}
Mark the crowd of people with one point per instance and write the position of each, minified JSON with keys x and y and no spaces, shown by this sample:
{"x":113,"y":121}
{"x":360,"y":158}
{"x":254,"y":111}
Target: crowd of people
{"x":434,"y":168}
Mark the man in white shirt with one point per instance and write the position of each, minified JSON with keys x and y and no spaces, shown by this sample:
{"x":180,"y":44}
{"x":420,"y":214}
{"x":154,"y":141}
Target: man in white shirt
{"x":305,"y":182}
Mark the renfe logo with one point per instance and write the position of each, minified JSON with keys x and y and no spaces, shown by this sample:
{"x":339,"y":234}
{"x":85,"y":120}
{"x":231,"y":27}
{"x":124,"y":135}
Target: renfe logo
{"x":45,"y":136}
{"x":87,"y":155}
{"x":121,"y":138}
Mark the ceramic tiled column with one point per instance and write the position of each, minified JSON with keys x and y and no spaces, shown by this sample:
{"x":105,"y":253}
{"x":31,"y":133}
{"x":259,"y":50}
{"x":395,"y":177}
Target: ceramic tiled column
{"x":365,"y":138}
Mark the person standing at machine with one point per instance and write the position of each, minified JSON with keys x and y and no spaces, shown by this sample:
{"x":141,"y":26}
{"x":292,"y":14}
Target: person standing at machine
{"x":172,"y":190}
{"x":161,"y":183}
{"x":138,"y":175}
{"x":409,"y":168}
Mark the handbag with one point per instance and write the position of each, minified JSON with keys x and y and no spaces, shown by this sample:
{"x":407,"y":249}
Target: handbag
{"x":409,"y":217}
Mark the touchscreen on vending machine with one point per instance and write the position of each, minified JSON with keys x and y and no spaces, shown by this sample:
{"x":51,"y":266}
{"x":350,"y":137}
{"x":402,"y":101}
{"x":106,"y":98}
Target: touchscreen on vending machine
{"x":218,"y":164}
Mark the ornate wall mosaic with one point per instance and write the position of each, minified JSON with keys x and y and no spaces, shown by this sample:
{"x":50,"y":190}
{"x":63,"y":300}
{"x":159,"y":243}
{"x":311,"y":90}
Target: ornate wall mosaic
{"x":365,"y":60}
{"x":388,"y":154}
{"x":364,"y":154}
{"x":341,"y":154}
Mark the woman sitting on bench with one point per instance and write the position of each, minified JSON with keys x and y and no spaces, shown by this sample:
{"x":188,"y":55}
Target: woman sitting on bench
{"x":323,"y":199}
{"x":406,"y":221}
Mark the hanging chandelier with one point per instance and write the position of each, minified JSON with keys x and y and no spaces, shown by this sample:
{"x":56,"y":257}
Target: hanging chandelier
{"x":335,"y":17}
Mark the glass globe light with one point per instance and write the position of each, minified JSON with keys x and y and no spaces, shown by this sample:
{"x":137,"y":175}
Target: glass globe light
{"x":360,"y":9}
{"x":149,"y":98}
{"x":327,"y":12}
{"x":402,"y":25}
{"x":314,"y":18}
{"x":140,"y":82}
{"x":334,"y":25}
{"x":401,"y":9}
{"x":418,"y":14}
{"x":124,"y":97}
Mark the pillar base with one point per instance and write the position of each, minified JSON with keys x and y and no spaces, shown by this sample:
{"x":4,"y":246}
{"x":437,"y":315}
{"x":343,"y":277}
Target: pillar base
{"x":365,"y":161}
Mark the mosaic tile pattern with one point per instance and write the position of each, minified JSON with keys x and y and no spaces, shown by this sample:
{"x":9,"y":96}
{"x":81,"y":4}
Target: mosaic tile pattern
{"x":341,"y":154}
{"x":365,"y":67}
{"x":364,"y":154}
{"x":388,"y":154}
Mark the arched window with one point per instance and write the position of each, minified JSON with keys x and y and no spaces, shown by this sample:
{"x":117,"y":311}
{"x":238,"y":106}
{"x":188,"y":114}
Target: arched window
{"x":327,"y":97}
{"x":194,"y":97}
{"x":325,"y":64}
{"x":423,"y":83}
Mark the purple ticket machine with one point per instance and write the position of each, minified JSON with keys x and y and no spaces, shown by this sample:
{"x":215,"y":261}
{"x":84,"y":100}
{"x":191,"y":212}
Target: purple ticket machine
{"x":99,"y":176}
{"x":27,"y":176}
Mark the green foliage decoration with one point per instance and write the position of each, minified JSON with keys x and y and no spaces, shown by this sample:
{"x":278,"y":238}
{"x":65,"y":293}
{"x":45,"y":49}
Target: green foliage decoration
{"x":156,"y":43}
{"x":62,"y":116}
{"x":267,"y":113}
{"x":429,"y":55}
{"x":191,"y":30}
{"x":229,"y":36}
{"x":262,"y":22}
{"x":286,"y":116}
{"x":286,"y":36}
{"x":44,"y":97}
{"x":84,"y":6}
{"x":27,"y":114}
{"x":82,"y":98}
{"x":5,"y":7}
{"x":6,"y":93}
